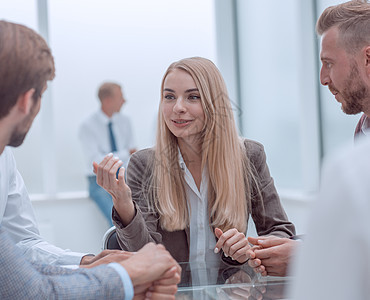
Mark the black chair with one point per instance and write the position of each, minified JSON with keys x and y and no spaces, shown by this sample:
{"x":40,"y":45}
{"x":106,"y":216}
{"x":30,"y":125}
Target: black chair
{"x":110,"y":239}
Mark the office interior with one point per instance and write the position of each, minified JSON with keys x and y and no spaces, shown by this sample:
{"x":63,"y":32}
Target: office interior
{"x":267,"y":51}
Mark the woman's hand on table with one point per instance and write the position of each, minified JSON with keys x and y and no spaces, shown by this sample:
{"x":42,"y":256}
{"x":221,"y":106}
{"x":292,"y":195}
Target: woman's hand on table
{"x":234,"y":244}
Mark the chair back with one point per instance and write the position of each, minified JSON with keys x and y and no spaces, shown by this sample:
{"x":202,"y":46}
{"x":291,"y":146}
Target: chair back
{"x":110,"y":240}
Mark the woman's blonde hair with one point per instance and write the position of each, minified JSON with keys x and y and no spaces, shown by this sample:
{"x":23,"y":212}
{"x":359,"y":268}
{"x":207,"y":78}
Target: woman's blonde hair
{"x":230,"y":174}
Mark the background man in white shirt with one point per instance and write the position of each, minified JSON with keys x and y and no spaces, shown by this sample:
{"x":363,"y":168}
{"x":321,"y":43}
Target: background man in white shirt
{"x":106,"y":131}
{"x":345,"y":56}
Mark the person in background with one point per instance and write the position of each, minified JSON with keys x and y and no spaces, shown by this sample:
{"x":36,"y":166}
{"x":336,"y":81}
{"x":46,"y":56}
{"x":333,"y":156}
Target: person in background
{"x":26,"y":66}
{"x":195,"y":190}
{"x":345,"y":57}
{"x":106,"y":131}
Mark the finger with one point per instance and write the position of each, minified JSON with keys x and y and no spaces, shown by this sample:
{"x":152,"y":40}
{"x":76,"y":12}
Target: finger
{"x":218,"y":232}
{"x":238,"y":293}
{"x":275,"y":241}
{"x":254,"y":240}
{"x":174,"y":279}
{"x":164,"y":289}
{"x":121,"y":176}
{"x":103,"y":169}
{"x":99,"y":167}
{"x":260,"y":269}
{"x":254,"y":263}
{"x":107,"y":251}
{"x":159,"y":296}
{"x":142,"y":288}
{"x":224,"y":237}
{"x":267,"y":241}
{"x":235,"y":241}
{"x":242,"y":255}
{"x":239,"y":248}
{"x":112,"y":171}
{"x":263,"y":253}
{"x":243,"y":292}
{"x":174,"y":270}
{"x":256,"y":294}
{"x":169,"y":273}
{"x":250,"y":253}
{"x":95,"y":167}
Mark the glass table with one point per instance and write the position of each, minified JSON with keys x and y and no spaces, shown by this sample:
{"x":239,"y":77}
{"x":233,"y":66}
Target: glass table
{"x":222,"y":281}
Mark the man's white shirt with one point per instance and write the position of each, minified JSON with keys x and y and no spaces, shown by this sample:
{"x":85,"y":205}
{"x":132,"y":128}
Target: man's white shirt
{"x":18,"y":218}
{"x":94,"y":136}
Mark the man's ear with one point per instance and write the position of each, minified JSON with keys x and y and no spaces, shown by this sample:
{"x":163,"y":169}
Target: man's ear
{"x":25,"y":101}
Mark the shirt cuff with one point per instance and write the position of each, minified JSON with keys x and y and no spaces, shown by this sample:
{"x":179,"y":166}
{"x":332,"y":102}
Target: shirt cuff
{"x":126,"y":280}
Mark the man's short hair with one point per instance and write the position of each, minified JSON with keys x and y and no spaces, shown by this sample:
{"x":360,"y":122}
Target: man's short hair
{"x":106,"y":90}
{"x":26,"y":62}
{"x":352,"y":19}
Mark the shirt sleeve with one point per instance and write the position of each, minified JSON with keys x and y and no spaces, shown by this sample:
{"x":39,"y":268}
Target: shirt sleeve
{"x":22,"y":280}
{"x":126,"y":280}
{"x":20,"y":222}
{"x":92,"y":142}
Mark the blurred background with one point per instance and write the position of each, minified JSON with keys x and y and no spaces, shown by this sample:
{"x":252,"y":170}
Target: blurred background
{"x":267,"y":51}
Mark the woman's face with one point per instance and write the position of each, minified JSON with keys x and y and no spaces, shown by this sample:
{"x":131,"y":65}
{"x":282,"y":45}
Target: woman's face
{"x":181,"y":106}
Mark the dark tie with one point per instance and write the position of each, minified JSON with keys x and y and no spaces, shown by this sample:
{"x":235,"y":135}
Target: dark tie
{"x":111,"y":138}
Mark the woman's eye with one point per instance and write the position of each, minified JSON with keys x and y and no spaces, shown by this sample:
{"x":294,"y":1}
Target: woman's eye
{"x":169,"y":97}
{"x":194,"y":97}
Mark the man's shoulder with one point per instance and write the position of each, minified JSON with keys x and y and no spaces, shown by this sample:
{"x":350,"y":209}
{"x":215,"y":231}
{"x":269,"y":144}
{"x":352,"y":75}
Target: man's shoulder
{"x":90,"y":120}
{"x":122,"y":117}
{"x":91,"y":117}
{"x":351,"y":162}
{"x":353,"y":154}
{"x":6,"y":156}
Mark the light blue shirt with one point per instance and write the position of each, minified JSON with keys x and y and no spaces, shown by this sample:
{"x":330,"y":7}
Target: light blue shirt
{"x":126,"y":280}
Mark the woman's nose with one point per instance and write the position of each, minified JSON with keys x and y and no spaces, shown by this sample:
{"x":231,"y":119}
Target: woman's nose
{"x":179,"y":106}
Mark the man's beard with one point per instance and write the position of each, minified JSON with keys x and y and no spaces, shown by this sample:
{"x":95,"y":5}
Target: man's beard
{"x":17,"y":137}
{"x":355,"y":93}
{"x":20,"y":132}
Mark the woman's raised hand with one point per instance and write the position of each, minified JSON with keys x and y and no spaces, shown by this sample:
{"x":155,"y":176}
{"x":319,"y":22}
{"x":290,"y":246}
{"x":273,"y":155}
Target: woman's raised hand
{"x":106,"y":177}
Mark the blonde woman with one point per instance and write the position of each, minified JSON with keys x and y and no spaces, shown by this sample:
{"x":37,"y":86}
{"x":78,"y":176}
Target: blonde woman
{"x":194,"y":191}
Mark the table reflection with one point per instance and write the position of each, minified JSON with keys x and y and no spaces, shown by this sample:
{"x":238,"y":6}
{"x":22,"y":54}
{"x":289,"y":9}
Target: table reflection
{"x":221,"y":281}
